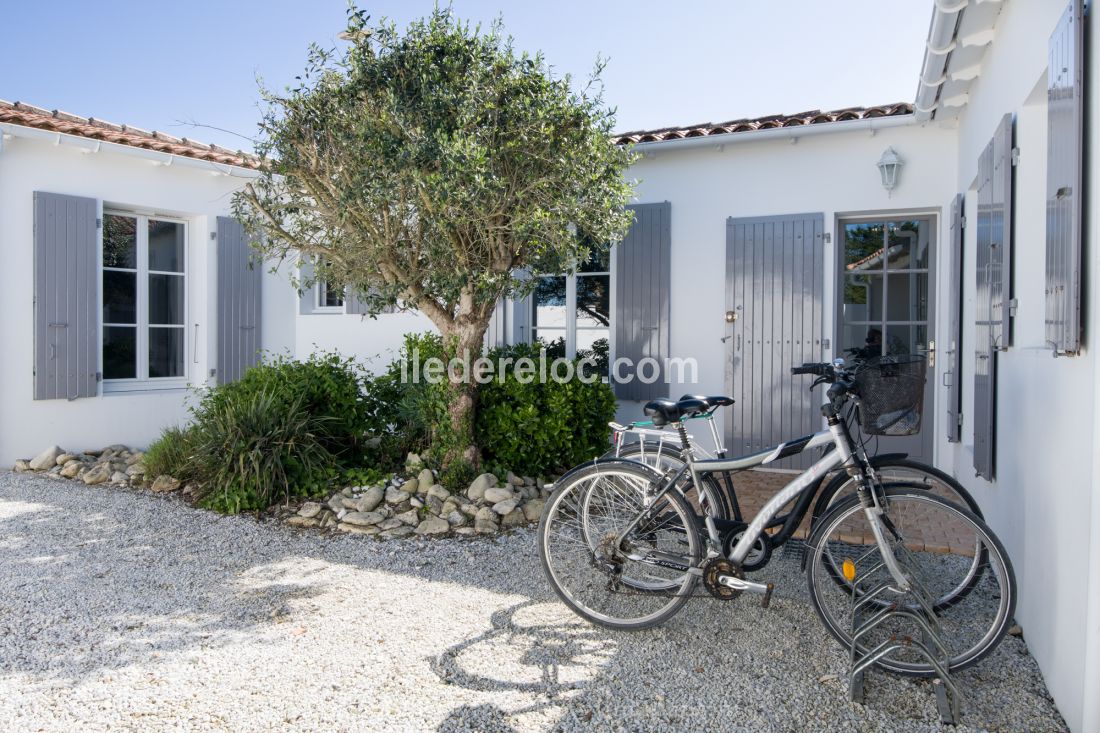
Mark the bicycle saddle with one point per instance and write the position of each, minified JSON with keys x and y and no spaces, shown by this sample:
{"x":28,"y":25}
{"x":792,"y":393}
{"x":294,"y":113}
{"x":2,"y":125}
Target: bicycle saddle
{"x":663,"y":412}
{"x":712,"y":400}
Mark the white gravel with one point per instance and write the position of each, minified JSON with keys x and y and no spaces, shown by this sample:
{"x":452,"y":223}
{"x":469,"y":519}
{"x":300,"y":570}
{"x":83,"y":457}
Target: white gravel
{"x":120,"y":610}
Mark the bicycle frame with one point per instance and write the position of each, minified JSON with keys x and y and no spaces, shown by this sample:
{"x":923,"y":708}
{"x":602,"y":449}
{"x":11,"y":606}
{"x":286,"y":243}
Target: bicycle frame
{"x":843,"y":455}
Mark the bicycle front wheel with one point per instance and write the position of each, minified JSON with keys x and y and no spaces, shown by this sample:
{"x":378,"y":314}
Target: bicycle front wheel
{"x":949,"y":554}
{"x":608,"y":575}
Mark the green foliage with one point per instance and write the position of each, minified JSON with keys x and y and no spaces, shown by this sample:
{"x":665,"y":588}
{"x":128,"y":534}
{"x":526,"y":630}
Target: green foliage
{"x":173,"y":453}
{"x":541,"y":428}
{"x":325,"y":386}
{"x":256,"y":447}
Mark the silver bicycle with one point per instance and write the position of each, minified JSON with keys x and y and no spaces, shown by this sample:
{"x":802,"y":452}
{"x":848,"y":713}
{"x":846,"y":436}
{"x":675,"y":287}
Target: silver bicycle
{"x":622,"y":547}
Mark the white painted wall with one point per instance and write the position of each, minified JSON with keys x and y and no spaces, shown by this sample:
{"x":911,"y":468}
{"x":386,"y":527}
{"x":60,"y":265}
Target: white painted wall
{"x":1043,"y":503}
{"x":373,"y":342}
{"x":830,"y":173}
{"x":123,"y":181}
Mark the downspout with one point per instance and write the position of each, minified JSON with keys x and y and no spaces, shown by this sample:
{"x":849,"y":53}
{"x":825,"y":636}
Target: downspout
{"x":946,"y":15}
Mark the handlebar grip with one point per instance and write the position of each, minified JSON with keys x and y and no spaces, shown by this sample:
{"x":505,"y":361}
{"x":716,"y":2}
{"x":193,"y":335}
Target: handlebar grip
{"x":816,"y":369}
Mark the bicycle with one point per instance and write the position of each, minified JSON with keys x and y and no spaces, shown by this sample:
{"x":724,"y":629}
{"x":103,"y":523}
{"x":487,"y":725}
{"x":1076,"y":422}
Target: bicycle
{"x":622,"y":548}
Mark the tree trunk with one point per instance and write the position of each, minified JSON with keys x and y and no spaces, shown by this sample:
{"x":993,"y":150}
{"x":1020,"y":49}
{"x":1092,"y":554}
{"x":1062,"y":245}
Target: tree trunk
{"x":467,"y":340}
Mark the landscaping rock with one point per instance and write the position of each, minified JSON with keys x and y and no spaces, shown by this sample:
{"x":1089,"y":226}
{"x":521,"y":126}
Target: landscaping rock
{"x":396,"y":532}
{"x":161,"y":484}
{"x":514,"y":518}
{"x":514,"y":480}
{"x":464,"y":531}
{"x":457,"y":519}
{"x":336,"y":503}
{"x":327,"y":518}
{"x":485,"y":514}
{"x":411,"y":486}
{"x":369,"y":501}
{"x":135,"y":457}
{"x":435,"y":506}
{"x":528,"y":481}
{"x":64,"y":458}
{"x":118,"y":477}
{"x":391,"y":523}
{"x":533,"y":510}
{"x":425,"y":479}
{"x":302,"y":522}
{"x":396,"y":496}
{"x":309,"y":510}
{"x":504,"y":507}
{"x":479,"y":486}
{"x":97,"y":474}
{"x":439,"y":492}
{"x":413,"y":462}
{"x":433,"y":525}
{"x":71,"y":469}
{"x":136,"y":469}
{"x":22,"y":465}
{"x":411,"y":518}
{"x":416,"y":502}
{"x":358,"y":529}
{"x":46,"y":459}
{"x":448,"y":506}
{"x":362,"y":519}
{"x":493,"y":496}
{"x":484,"y":527}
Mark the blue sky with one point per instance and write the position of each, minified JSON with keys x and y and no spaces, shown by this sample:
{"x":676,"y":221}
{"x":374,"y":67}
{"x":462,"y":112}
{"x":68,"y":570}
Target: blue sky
{"x":156,"y":64}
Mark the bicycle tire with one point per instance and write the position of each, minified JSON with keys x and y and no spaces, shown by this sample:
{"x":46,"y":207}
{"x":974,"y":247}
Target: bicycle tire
{"x":670,"y":458}
{"x":996,"y":576}
{"x":561,"y":532}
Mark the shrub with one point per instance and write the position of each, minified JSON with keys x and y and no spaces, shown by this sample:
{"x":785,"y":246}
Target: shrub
{"x":541,"y":428}
{"x":173,"y":453}
{"x":326,"y":386}
{"x":255,"y":447}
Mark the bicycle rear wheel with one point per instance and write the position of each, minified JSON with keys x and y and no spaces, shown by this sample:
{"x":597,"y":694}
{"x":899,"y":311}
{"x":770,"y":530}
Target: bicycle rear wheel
{"x":943,"y":547}
{"x":623,"y":581}
{"x":663,"y":458}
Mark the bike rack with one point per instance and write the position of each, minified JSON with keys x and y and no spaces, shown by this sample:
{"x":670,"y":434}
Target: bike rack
{"x":870,"y":610}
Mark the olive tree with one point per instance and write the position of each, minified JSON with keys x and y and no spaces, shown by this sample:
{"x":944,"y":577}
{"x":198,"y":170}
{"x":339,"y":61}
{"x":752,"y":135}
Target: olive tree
{"x":432,"y":169}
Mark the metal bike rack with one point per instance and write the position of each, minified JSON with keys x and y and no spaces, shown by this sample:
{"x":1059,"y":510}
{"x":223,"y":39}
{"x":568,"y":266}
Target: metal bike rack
{"x":869,"y":611}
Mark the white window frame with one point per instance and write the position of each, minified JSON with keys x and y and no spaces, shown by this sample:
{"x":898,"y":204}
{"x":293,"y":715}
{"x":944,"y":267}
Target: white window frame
{"x":571,"y":327}
{"x":320,"y":293}
{"x":143,"y":382}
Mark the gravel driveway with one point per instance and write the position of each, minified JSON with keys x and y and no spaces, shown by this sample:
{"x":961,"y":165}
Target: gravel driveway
{"x":125,"y":611}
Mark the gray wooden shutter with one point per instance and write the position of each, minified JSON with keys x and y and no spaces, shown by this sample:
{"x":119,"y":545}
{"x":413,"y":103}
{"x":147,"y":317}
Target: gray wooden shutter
{"x":497,"y":332}
{"x":775,"y":284}
{"x":998,"y":209}
{"x":307,"y":299}
{"x":239,"y":297}
{"x":66,"y":278}
{"x":521,"y":314}
{"x":954,"y":314}
{"x":642,"y":295}
{"x":1065,"y":153}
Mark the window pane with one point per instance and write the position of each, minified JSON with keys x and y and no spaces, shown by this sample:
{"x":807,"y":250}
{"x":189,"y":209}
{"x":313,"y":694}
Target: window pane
{"x":165,"y":246}
{"x":119,"y":352}
{"x":599,"y":260}
{"x":165,"y":352}
{"x":862,"y":298}
{"x":908,"y":242}
{"x":593,"y":300}
{"x":907,"y":297}
{"x":549,"y":300}
{"x":553,"y":340}
{"x":906,"y":339}
{"x":594,"y":343}
{"x":166,"y":299}
{"x":119,"y":297}
{"x":119,"y":241}
{"x":331,"y":297}
{"x":863,"y":245}
{"x":861,"y":341}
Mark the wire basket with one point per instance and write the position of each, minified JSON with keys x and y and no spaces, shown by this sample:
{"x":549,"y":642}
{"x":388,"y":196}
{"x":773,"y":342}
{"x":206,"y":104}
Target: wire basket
{"x":891,"y":394}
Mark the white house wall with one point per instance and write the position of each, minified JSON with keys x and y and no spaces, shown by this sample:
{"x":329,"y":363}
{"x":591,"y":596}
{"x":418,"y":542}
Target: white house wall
{"x":373,"y":342}
{"x":831,"y":173}
{"x":1043,"y":503}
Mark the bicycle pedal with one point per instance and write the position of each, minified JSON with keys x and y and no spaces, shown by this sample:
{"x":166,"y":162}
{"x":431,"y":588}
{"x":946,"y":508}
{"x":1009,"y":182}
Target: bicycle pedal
{"x":767,"y":599}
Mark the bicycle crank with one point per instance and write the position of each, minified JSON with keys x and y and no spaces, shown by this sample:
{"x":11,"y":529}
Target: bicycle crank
{"x":726,"y":581}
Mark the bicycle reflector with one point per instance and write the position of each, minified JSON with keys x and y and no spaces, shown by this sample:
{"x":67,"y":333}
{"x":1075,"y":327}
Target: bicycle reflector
{"x":849,"y":569}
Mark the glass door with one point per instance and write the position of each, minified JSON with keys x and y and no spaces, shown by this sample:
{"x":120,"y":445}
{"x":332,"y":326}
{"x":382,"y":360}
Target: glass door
{"x":886,"y":302}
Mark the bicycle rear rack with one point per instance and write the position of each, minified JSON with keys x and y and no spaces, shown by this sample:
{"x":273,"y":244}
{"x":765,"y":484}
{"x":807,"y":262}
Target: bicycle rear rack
{"x":870,"y":610}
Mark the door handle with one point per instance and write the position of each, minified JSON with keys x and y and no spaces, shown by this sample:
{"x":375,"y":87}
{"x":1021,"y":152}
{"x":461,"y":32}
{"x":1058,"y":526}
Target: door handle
{"x":930,"y":352}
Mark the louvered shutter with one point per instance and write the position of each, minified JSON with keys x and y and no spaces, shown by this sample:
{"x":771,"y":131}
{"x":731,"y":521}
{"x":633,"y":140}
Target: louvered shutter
{"x":521,"y":314}
{"x":497,"y":332}
{"x":993,"y":293}
{"x":239,"y":299}
{"x":954,"y":314}
{"x":642,"y":295}
{"x":1065,"y":153}
{"x":66,"y":278}
{"x":307,"y":298}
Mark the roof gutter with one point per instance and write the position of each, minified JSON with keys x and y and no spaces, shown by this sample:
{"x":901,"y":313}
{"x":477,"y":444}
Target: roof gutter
{"x":937,"y":52}
{"x":872,"y":125}
{"x":88,"y":145}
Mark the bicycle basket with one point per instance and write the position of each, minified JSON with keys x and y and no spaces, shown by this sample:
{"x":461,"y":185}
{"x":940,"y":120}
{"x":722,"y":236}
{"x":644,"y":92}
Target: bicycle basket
{"x":891,"y":394}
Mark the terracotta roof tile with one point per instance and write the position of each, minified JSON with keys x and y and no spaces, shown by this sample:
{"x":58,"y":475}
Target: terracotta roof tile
{"x":812,"y":117}
{"x":27,"y":115}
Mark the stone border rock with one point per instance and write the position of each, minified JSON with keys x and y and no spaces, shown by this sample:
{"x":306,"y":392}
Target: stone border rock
{"x":416,"y":504}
